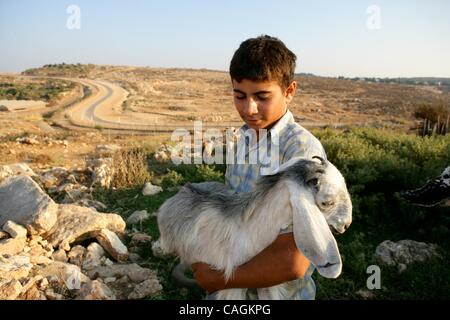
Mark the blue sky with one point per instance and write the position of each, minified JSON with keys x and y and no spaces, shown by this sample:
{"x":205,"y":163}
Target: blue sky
{"x":329,"y":37}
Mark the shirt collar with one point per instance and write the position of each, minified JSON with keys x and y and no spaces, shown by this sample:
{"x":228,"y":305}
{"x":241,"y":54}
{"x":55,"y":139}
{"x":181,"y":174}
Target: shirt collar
{"x":279,"y":126}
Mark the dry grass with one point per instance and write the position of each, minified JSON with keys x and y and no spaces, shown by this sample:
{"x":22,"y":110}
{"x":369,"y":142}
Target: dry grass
{"x":130,"y":168}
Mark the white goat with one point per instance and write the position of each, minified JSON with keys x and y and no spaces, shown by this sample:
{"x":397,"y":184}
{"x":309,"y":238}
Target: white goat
{"x":208,"y":222}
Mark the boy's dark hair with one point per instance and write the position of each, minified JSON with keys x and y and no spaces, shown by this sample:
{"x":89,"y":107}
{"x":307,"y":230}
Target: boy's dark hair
{"x":264,"y":58}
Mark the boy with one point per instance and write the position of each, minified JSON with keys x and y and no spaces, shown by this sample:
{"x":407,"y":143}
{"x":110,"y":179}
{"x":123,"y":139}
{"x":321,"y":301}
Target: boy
{"x":262,"y":75}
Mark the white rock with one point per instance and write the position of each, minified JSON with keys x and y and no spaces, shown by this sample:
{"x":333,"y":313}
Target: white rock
{"x":365,"y":294}
{"x":76,"y":255}
{"x":70,"y":274}
{"x":106,"y":149}
{"x":42,"y":260}
{"x":14,"y":229}
{"x":92,"y":258}
{"x":136,"y":273}
{"x":23,"y":201}
{"x":43,"y":284}
{"x":140,"y":239}
{"x":21,"y":169}
{"x":15,"y":267}
{"x":53,"y":177}
{"x":10,"y":289}
{"x":4,"y":235}
{"x":5,"y":172}
{"x":156,"y":249}
{"x":137,"y":217}
{"x":110,"y":279}
{"x":12,"y":246}
{"x":103,"y":171}
{"x":401,"y":267}
{"x":79,"y":223}
{"x":112,"y":244}
{"x":134,"y":257}
{"x":150,"y":189}
{"x":60,"y":255}
{"x":95,"y":290}
{"x":146,"y":288}
{"x":405,"y":252}
{"x":51,"y":295}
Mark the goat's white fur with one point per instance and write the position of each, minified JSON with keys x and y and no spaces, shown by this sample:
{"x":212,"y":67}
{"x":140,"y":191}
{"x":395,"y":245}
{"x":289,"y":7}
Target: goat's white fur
{"x":197,"y":226}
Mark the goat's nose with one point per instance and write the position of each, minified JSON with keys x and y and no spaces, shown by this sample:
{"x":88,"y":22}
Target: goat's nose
{"x":327,"y":203}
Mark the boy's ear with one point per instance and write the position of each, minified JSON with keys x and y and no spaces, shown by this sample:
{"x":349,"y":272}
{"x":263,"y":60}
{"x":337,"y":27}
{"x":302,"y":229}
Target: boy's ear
{"x":290,"y":91}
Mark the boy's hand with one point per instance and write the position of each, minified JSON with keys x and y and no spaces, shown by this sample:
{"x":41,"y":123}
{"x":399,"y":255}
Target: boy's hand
{"x":209,"y":279}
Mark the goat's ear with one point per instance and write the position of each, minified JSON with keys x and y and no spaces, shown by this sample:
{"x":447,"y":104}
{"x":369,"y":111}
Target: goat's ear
{"x":312,"y":234}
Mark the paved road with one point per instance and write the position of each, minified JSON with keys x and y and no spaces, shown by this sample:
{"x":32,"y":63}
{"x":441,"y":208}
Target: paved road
{"x":103,"y":109}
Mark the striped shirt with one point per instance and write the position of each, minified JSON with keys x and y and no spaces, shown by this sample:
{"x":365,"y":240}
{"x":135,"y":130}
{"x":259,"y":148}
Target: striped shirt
{"x":287,"y":139}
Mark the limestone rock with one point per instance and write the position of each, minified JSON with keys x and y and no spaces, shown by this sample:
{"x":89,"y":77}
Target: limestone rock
{"x":404,"y":252}
{"x":53,"y":177}
{"x":14,"y":229}
{"x":95,"y":290}
{"x":5,"y":172}
{"x":23,"y":201}
{"x":136,"y":273}
{"x":156,"y":249}
{"x":134,"y":257}
{"x":122,"y":287}
{"x":32,"y":293}
{"x":102,"y":171}
{"x":112,"y":244}
{"x":140,"y":239}
{"x":68,"y":273}
{"x":14,"y":267}
{"x":365,"y":294}
{"x":78,"y":223}
{"x":41,"y":260}
{"x":60,"y":255}
{"x":137,"y":217}
{"x":12,"y":246}
{"x":106,"y":149}
{"x":93,"y":256}
{"x":21,"y":169}
{"x":52,"y":295}
{"x":3,"y":235}
{"x":76,"y":255}
{"x":146,"y":288}
{"x":150,"y":189}
{"x":10,"y":289}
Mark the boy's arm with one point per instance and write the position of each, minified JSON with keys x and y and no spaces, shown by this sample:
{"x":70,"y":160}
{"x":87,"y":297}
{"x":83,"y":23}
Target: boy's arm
{"x":280,"y":262}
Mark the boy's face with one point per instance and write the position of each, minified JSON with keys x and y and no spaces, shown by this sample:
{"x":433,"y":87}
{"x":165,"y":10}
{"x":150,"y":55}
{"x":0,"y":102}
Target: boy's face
{"x":261,"y":104}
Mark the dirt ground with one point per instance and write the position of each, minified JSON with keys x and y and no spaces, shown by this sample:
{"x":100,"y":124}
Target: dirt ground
{"x":180,"y":96}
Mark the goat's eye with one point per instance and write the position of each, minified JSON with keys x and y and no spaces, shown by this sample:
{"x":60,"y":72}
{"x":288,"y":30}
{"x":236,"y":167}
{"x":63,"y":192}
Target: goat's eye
{"x":313,"y":182}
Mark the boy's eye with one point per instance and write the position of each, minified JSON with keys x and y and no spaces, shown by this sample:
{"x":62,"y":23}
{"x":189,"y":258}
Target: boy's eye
{"x":240,"y":97}
{"x":262,"y":98}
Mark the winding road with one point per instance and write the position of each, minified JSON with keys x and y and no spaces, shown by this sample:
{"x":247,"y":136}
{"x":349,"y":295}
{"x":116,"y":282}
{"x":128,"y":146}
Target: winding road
{"x":102,"y":108}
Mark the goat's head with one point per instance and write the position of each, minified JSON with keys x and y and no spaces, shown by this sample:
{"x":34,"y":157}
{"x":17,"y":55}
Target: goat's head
{"x":331,"y":195}
{"x":321,"y":204}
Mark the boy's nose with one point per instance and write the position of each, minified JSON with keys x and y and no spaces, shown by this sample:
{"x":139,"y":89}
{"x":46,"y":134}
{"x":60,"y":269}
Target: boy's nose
{"x":251,"y":107}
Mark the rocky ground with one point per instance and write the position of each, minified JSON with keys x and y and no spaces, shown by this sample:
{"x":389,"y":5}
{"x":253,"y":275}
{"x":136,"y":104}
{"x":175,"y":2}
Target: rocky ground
{"x":68,"y":249}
